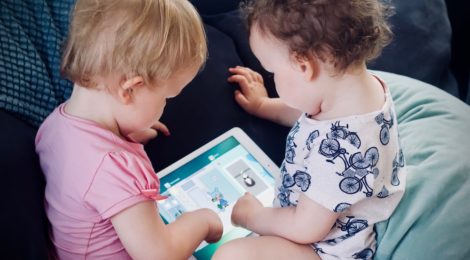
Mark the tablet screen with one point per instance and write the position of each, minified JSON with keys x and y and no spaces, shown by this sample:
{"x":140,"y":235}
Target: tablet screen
{"x":215,"y":179}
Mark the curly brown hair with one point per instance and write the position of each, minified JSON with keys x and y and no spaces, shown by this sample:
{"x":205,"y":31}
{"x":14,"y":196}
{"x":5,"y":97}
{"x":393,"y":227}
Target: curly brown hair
{"x":343,"y":32}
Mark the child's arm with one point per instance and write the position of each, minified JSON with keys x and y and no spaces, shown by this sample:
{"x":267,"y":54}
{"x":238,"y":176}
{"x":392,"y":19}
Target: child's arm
{"x":145,"y":235}
{"x":307,"y":223}
{"x":253,"y":97}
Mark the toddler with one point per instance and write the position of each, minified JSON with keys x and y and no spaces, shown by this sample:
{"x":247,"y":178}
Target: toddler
{"x":343,"y":168}
{"x":126,"y":58}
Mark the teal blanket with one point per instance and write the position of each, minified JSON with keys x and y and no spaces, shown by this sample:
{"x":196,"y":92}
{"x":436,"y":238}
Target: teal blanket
{"x":433,"y":219}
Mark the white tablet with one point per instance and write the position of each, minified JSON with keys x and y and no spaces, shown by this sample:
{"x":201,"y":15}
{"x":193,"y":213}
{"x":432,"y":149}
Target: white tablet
{"x":215,"y":176}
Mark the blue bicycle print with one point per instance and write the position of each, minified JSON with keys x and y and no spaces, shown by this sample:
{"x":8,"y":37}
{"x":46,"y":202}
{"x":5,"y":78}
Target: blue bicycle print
{"x":300,"y":178}
{"x":317,"y":249}
{"x":385,"y":127}
{"x":290,"y":144}
{"x":356,"y":166}
{"x":341,"y":207}
{"x":309,"y":143}
{"x":364,"y":254}
{"x":398,"y":162}
{"x":340,"y":131}
{"x":284,"y":193}
{"x":355,"y":173}
{"x":284,"y":197}
{"x":351,"y":227}
{"x":383,"y":193}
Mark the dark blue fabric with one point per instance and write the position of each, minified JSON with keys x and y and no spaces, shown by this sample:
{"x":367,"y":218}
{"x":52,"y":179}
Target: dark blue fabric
{"x":31,"y":35}
{"x":468,"y":93}
{"x":460,"y":62}
{"x":210,"y":7}
{"x":421,"y":47}
{"x":232,"y":25}
{"x":23,"y":222}
{"x":206,"y":108}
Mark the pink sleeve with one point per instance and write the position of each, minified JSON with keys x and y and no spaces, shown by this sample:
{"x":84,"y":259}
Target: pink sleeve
{"x":122,"y":180}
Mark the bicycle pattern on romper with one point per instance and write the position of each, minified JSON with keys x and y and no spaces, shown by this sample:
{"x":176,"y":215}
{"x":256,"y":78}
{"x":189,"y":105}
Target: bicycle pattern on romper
{"x":299,"y":178}
{"x":356,"y":168}
{"x":385,"y":125}
{"x":398,"y":161}
{"x":352,"y":226}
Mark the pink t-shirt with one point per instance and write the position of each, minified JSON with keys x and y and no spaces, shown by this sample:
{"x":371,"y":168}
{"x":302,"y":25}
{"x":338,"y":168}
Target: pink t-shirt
{"x":91,"y":174}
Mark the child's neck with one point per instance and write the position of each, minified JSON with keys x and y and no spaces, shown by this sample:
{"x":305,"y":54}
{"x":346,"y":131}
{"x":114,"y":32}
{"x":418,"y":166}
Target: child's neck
{"x":92,"y":105}
{"x":354,"y":93}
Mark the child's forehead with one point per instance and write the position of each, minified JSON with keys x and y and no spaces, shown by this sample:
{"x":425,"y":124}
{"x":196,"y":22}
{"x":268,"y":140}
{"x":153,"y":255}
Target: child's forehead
{"x":261,"y":35}
{"x":264,"y":41}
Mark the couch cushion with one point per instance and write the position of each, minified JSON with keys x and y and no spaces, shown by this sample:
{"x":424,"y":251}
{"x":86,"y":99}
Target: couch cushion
{"x":432,"y":221}
{"x":31,"y":34}
{"x":421,"y":47}
{"x":23,"y":221}
{"x":209,"y":7}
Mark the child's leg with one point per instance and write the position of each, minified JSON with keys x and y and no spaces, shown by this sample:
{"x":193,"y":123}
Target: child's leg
{"x":264,"y":247}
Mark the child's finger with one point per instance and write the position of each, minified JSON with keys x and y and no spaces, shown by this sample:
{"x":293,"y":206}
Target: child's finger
{"x":237,"y":78}
{"x":247,"y":72}
{"x":239,"y":69}
{"x":143,"y":136}
{"x":242,"y":82}
{"x":241,"y":99}
{"x":251,"y":74}
{"x":259,"y":77}
{"x":150,"y":134}
{"x":161,"y":127}
{"x":240,"y":72}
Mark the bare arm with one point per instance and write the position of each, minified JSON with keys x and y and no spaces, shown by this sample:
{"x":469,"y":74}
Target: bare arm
{"x":309,"y":222}
{"x":253,"y":98}
{"x":145,"y":235}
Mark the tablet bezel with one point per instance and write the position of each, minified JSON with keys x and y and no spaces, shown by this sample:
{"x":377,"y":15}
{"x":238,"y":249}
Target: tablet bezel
{"x":242,"y":138}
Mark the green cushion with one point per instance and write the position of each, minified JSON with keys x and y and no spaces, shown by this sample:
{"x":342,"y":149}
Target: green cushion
{"x":433,"y":219}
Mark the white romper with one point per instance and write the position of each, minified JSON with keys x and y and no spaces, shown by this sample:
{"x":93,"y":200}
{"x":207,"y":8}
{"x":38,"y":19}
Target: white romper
{"x":352,"y":165}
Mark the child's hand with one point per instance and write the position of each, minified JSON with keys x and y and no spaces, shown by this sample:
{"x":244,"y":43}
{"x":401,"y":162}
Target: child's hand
{"x":246,"y":205}
{"x":146,"y":135}
{"x":252,"y":91}
{"x":215,"y":226}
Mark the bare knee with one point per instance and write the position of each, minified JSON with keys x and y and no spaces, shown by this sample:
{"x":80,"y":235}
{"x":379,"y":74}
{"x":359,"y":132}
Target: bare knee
{"x":230,"y":250}
{"x":265,"y":247}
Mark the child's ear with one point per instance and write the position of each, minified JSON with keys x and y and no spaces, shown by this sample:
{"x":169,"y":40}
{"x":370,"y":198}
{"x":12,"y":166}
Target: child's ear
{"x":127,"y":88}
{"x":307,"y":66}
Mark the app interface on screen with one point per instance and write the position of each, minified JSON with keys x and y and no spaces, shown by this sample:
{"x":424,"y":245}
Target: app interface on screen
{"x":215,"y":180}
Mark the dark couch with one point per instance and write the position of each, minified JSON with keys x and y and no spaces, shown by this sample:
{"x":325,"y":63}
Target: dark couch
{"x":31,"y":33}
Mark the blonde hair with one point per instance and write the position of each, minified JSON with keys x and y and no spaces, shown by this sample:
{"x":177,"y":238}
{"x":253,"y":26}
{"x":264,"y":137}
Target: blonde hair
{"x":149,"y":38}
